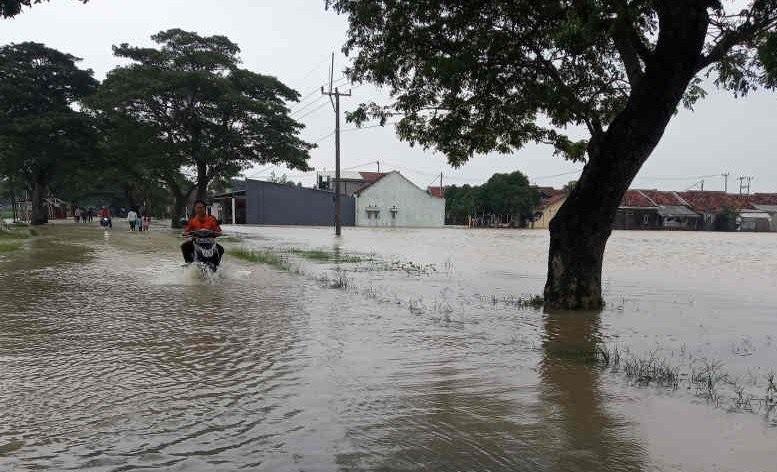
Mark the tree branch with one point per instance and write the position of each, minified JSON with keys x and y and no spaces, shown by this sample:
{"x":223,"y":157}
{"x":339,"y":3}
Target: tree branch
{"x":733,"y":38}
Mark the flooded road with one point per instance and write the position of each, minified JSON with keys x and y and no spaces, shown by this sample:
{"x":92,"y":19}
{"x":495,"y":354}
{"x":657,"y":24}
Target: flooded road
{"x":384,"y":350}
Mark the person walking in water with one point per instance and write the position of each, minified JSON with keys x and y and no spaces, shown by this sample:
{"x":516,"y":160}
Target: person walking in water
{"x":132,"y":218}
{"x":77,"y":215}
{"x":146,"y":222}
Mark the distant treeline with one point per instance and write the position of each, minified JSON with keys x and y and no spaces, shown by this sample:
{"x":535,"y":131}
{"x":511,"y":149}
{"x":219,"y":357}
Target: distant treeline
{"x":506,"y":199}
{"x":173,"y":123}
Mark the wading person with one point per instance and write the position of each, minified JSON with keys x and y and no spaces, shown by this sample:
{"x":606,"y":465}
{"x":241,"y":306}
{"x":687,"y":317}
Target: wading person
{"x":132,"y":218}
{"x":200,"y":221}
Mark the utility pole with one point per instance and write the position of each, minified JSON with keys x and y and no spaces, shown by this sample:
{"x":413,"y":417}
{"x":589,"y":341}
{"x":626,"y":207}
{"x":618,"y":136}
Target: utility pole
{"x":337,"y":94}
{"x":378,"y":162}
{"x":702,"y":185}
{"x":441,"y":182}
{"x":744,"y":184}
{"x":725,"y":181}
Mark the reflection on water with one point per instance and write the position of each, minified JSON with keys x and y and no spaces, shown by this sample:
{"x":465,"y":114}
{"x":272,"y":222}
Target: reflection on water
{"x":114,"y":357}
{"x":592,"y":437}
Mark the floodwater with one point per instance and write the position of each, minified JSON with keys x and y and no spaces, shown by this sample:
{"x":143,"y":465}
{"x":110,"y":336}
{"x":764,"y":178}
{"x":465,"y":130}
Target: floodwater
{"x":409,"y":351}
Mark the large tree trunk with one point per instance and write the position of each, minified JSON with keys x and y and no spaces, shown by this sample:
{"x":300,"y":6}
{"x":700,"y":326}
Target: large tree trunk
{"x":579,"y":232}
{"x":179,"y":210}
{"x":40,"y":214}
{"x":202,"y":182}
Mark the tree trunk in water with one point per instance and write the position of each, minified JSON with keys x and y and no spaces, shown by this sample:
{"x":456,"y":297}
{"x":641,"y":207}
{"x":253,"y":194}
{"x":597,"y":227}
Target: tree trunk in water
{"x":40,"y":215}
{"x":579,"y":232}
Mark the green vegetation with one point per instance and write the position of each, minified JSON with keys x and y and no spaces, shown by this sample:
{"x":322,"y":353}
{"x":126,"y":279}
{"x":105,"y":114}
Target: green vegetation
{"x":13,"y":238}
{"x":327,"y":256}
{"x":504,"y":197}
{"x":260,"y":257}
{"x":224,"y":118}
{"x":11,"y":8}
{"x":470,"y":78}
{"x":532,"y":301}
{"x":43,"y":137}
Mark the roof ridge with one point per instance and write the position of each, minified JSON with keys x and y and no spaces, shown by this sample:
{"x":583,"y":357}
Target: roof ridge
{"x":649,"y":199}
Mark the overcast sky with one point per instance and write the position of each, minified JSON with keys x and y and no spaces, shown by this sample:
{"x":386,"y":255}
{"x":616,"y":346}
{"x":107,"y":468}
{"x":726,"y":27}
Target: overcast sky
{"x":293,"y":40}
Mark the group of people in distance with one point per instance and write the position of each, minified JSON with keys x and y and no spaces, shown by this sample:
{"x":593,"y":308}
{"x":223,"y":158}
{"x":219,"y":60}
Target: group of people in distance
{"x":83,"y":216}
{"x":137,"y":221}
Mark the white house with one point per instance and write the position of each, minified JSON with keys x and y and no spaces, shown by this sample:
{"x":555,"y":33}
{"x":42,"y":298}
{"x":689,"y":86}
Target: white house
{"x":393,"y":200}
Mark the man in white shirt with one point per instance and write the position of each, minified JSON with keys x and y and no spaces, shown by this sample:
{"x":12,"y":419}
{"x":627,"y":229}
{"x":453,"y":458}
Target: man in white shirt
{"x":132,"y":218}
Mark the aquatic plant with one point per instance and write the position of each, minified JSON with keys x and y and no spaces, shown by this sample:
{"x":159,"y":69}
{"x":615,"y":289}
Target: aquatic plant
{"x":327,"y":256}
{"x":530,"y":301}
{"x":260,"y":257}
{"x":12,"y":237}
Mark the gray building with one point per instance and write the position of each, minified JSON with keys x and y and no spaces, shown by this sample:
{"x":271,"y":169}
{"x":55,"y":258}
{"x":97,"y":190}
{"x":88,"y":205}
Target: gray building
{"x":267,"y":203}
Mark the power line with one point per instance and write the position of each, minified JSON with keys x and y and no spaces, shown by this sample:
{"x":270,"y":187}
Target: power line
{"x":555,"y":175}
{"x":355,"y":128}
{"x":312,"y":111}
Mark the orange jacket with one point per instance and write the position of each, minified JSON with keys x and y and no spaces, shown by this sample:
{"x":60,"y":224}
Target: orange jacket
{"x":209,"y":223}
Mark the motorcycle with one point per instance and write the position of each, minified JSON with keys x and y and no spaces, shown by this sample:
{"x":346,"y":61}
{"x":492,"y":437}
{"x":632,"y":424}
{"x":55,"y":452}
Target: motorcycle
{"x":207,"y":253}
{"x":105,"y":222}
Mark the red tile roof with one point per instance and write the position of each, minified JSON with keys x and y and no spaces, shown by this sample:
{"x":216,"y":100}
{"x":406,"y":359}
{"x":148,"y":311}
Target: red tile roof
{"x":637,"y":199}
{"x":558,"y":196}
{"x":371,"y":177}
{"x":375,"y":176}
{"x":713,"y":202}
{"x":438,"y":191}
{"x":763,"y":198}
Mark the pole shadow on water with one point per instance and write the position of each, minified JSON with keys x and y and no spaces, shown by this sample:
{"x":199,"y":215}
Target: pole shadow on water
{"x":591,"y":437}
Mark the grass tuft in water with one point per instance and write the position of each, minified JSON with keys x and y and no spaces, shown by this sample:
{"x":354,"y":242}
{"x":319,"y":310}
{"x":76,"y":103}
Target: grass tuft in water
{"x":531,"y":301}
{"x":320,"y":255}
{"x":649,"y":369}
{"x":12,"y":237}
{"x":260,"y":257}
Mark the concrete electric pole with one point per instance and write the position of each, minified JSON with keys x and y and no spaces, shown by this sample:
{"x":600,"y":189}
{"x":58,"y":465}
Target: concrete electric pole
{"x":336,"y":104}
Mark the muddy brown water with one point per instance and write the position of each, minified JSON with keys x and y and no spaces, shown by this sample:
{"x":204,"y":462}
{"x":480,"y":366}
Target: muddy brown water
{"x":114,"y":357}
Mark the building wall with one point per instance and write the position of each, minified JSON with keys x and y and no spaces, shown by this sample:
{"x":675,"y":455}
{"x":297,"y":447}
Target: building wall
{"x":548,"y":213}
{"x":414,"y":206}
{"x":276,"y":204}
{"x":637,"y":218}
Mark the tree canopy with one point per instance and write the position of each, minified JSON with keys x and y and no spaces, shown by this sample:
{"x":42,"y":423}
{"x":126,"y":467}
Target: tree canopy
{"x":42,"y":135}
{"x":11,"y":8}
{"x":474,"y":77}
{"x":213,"y":117}
{"x":504,"y":195}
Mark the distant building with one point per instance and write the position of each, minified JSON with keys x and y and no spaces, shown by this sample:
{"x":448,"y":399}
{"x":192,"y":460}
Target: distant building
{"x":766,"y":202}
{"x":393,"y":200}
{"x":715,"y":207}
{"x":350,"y":182}
{"x":653,"y":209}
{"x":550,"y":202}
{"x":267,"y":203}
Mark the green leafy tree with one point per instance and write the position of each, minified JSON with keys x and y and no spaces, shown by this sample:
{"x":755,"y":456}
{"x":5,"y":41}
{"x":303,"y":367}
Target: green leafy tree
{"x":474,"y":77}
{"x":41,"y":134}
{"x":11,"y":8}
{"x":503,"y":196}
{"x":214,"y":118}
{"x":509,"y":195}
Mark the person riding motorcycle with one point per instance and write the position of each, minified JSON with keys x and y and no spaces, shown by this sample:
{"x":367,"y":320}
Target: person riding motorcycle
{"x":105,"y":217}
{"x":200,"y":221}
